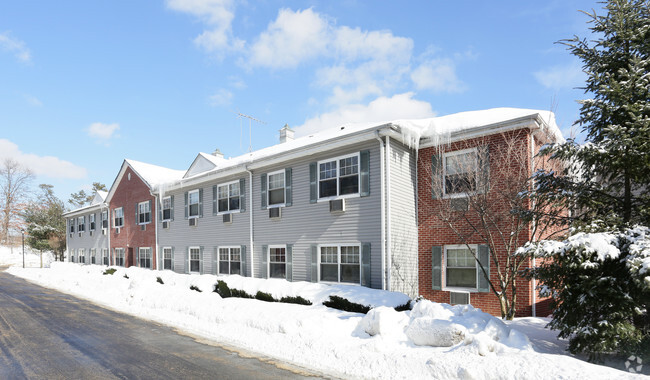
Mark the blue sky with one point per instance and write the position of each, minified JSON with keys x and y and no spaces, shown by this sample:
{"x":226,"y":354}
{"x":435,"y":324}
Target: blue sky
{"x":85,"y":84}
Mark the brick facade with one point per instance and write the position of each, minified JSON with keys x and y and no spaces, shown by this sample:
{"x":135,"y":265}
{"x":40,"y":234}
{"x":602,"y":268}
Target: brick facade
{"x":130,"y":191}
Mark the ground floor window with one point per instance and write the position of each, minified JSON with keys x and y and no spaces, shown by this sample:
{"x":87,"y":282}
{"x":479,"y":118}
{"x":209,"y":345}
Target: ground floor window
{"x":72,"y":255}
{"x":278,"y":262}
{"x":119,"y":257}
{"x":229,"y":260}
{"x":105,"y":256}
{"x":195,"y":259}
{"x":461,"y":267}
{"x":167,"y":258}
{"x":93,"y":253}
{"x":340,"y":264}
{"x":82,"y":256}
{"x":145,"y":257}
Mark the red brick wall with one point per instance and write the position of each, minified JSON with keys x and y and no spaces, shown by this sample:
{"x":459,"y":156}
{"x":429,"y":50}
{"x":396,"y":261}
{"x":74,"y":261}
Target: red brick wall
{"x":433,"y":231}
{"x":128,"y":193}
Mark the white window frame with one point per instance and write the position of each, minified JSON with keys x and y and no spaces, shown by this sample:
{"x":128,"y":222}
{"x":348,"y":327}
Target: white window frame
{"x":146,"y":206}
{"x":268,"y":189}
{"x":189,"y":258}
{"x":338,"y":252}
{"x":81,"y":223}
{"x":105,"y":217}
{"x":230,"y":261}
{"x":189,"y":204}
{"x":162,"y":206}
{"x":91,"y":222}
{"x":444,"y":172}
{"x":142,"y":250}
{"x":338,"y":177}
{"x":268,"y":259}
{"x":227,"y":184}
{"x":81,"y":253}
{"x":93,"y":256}
{"x":105,"y":258}
{"x":72,"y":253}
{"x":473,"y":247}
{"x":71,"y":225}
{"x":119,"y":254}
{"x":171,"y":256}
{"x":115,"y":225}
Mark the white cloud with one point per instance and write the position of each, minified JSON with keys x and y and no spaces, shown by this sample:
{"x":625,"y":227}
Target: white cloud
{"x":33,"y":100}
{"x":223,"y":97}
{"x":400,"y":106}
{"x":103,"y":131}
{"x":15,"y":46}
{"x":438,"y":75}
{"x":217,"y":15}
{"x":47,"y":166}
{"x":561,"y":76}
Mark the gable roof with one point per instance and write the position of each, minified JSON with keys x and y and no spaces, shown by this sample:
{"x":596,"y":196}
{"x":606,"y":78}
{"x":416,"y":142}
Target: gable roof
{"x":153,"y":176}
{"x":96,"y":202}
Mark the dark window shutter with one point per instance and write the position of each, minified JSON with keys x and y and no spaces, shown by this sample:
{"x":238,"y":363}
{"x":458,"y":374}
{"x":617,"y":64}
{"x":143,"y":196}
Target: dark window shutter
{"x":137,"y":256}
{"x":242,"y":253}
{"x":186,"y":262}
{"x":214,"y":200}
{"x":483,"y":168}
{"x":265,"y":260}
{"x":263,"y":179}
{"x":437,"y":182}
{"x":313,"y":183}
{"x":186,"y":214}
{"x":289,"y":262}
{"x":364,"y":188}
{"x":314,"y":263}
{"x":151,"y":212}
{"x":436,"y":268}
{"x":200,"y":202}
{"x":365,"y":264}
{"x":171,"y":211}
{"x":160,"y":209}
{"x":242,"y":195}
{"x":288,"y":192}
{"x":484,"y":259}
{"x":201,"y":260}
{"x":137,"y":216}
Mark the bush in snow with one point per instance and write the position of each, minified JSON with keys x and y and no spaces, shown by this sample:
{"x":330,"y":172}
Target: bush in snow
{"x":159,"y":280}
{"x":262,"y":296}
{"x":297,"y":300}
{"x":341,"y":303}
{"x":222,"y":289}
{"x":195,"y":288}
{"x":384,"y":321}
{"x":109,"y":271}
{"x":600,"y":284}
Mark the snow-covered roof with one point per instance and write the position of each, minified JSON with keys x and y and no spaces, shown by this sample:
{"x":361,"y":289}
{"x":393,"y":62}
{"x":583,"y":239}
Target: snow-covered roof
{"x":95,"y":203}
{"x":153,"y":174}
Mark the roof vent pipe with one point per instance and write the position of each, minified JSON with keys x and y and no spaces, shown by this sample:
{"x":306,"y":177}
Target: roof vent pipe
{"x":286,"y":134}
{"x":217,"y":153}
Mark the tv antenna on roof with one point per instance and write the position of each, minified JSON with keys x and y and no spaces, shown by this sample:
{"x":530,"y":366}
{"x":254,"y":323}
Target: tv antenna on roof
{"x":241,"y":116}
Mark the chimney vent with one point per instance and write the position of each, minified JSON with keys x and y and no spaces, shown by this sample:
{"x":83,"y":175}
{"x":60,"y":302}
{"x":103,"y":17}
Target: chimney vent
{"x":286,"y":134}
{"x":217,"y":153}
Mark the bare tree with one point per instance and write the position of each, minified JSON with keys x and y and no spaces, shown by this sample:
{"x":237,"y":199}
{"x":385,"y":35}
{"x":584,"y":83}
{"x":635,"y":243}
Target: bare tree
{"x":14,"y":190}
{"x":482,"y":196}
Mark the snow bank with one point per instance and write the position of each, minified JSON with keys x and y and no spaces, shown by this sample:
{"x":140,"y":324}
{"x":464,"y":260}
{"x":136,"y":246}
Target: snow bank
{"x":384,"y":344}
{"x":13,"y":256}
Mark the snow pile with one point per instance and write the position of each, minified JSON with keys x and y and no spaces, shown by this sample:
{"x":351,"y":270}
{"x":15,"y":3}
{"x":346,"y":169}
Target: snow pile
{"x":13,"y":256}
{"x":432,"y":340}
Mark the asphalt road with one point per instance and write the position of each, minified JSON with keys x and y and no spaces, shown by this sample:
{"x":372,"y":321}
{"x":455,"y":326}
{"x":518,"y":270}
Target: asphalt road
{"x":45,"y":334}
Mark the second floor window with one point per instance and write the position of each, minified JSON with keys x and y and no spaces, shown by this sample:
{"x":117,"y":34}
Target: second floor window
{"x":228,"y":197}
{"x":105,"y":219}
{"x":460,"y":171}
{"x":144,"y":212}
{"x":91,"y":220}
{"x":338,"y":177}
{"x":167,"y":208}
{"x":118,"y":217}
{"x":71,"y":223}
{"x":276,"y":188}
{"x":193,"y":203}
{"x":81,"y":223}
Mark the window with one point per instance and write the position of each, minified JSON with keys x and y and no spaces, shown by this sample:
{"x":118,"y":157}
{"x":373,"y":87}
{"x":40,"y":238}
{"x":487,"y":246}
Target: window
{"x":460,"y":170}
{"x":277,"y":262}
{"x":71,"y":223}
{"x":105,"y":219}
{"x":105,"y":256}
{"x":340,"y":264}
{"x":118,"y":217}
{"x":81,"y":223}
{"x":276,"y":188}
{"x":167,"y":208}
{"x":229,"y":260}
{"x":195,"y":259}
{"x":144,"y":212}
{"x":461,"y":267}
{"x":119,"y":257}
{"x":82,"y":255}
{"x":72,"y":255}
{"x":338,"y":177}
{"x":193,"y":202}
{"x":91,"y":220}
{"x":93,"y":254}
{"x":228,"y":197}
{"x":167,"y":258}
{"x":145,"y":257}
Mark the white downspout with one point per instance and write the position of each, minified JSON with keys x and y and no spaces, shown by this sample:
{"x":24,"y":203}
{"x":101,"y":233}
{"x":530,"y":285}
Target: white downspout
{"x":250,"y":220}
{"x":155,"y":217}
{"x":532,"y":169}
{"x":388,"y":222}
{"x":382,"y":211}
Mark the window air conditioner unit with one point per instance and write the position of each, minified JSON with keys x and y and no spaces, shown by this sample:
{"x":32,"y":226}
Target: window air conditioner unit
{"x":337,"y":205}
{"x":91,"y":232}
{"x":275,"y":212}
{"x":103,"y":231}
{"x":165,"y":224}
{"x":459,"y":204}
{"x":194,"y":222}
{"x":459,"y":298}
{"x":143,"y":227}
{"x":227,"y":218}
{"x":71,"y":234}
{"x":80,"y":233}
{"x":117,"y":230}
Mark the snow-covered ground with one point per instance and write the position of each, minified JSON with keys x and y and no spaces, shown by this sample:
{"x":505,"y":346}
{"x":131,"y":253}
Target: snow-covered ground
{"x":14,"y":256}
{"x":382,"y":344}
